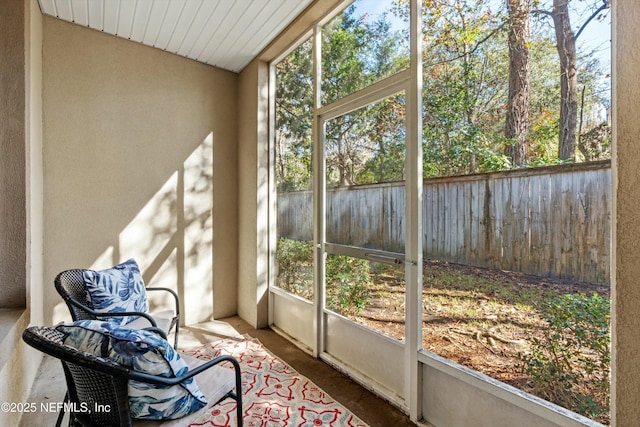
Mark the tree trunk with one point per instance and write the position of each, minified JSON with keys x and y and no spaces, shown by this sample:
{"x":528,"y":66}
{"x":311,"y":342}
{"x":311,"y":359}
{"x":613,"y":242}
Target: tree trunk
{"x":517,"y":120}
{"x":566,"y":44}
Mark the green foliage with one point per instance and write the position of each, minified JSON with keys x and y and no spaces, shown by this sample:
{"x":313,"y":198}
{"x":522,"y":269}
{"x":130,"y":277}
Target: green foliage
{"x":387,"y":151}
{"x":347,"y":278}
{"x":363,"y":146}
{"x":595,"y":144}
{"x":294,"y":259}
{"x":347,"y":281}
{"x":570,"y":365}
{"x":366,"y":145}
{"x":465,"y":89}
{"x":357,"y":52}
{"x":296,"y":172}
{"x":543,"y":102}
{"x":466,"y":79}
{"x":294,"y":113}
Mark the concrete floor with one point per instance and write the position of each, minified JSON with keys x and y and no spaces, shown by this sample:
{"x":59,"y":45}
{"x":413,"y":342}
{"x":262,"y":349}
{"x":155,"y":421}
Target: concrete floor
{"x":50,"y":386}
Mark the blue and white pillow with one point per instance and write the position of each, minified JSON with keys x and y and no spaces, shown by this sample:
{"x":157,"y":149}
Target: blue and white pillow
{"x":142,"y":351}
{"x":117,"y":289}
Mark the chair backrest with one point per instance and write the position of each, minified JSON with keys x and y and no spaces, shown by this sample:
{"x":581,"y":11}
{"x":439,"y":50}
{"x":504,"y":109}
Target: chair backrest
{"x":97,"y":387}
{"x":70,"y":286}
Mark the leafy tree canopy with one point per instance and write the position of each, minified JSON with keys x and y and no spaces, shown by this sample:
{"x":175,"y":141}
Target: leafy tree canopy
{"x":466,"y":78}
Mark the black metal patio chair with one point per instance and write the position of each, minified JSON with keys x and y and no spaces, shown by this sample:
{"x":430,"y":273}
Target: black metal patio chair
{"x":70,"y":285}
{"x":96,"y":382}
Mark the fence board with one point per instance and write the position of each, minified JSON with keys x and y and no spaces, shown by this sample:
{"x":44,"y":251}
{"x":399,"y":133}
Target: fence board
{"x":535,"y":244}
{"x":552,"y":221}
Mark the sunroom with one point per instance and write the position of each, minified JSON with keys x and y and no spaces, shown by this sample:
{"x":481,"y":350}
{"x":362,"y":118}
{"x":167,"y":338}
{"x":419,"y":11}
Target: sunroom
{"x":161,"y":146}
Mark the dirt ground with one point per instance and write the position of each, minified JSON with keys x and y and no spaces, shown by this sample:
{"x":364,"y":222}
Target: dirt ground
{"x":477,"y":317}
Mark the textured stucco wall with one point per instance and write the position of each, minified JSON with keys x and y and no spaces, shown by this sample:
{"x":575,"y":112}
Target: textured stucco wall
{"x":20,"y":197}
{"x":13,"y":123}
{"x":139,"y":161}
{"x":626,"y":232}
{"x":253,"y":161}
{"x":255,"y":199}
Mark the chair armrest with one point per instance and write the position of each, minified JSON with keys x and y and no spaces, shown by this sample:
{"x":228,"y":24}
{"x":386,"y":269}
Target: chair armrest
{"x":116,"y":314}
{"x":234,"y":394}
{"x":158,"y":331}
{"x":156,"y":379}
{"x":172,"y":292}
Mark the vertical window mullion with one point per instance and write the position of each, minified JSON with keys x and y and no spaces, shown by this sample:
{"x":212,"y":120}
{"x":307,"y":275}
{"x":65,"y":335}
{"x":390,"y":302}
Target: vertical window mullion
{"x":318,"y":194}
{"x":413,"y":191}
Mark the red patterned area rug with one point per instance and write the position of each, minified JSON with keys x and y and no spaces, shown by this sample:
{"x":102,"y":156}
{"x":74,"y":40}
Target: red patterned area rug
{"x":274,"y":394}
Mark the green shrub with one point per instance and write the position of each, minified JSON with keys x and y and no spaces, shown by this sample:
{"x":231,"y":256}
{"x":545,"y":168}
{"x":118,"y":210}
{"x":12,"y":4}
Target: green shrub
{"x":347,"y":281}
{"x":294,"y":260}
{"x":570,"y":364}
{"x":347,"y":278}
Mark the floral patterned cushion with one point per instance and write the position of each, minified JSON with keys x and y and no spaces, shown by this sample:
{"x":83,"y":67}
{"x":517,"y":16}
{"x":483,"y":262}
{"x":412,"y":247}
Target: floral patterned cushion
{"x":117,"y":289}
{"x":142,"y":351}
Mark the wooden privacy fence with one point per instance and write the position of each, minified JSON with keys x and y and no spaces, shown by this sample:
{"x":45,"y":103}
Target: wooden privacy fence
{"x":549,"y":221}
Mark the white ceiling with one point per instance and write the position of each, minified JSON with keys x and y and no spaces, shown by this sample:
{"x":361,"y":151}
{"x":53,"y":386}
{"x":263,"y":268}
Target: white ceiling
{"x":224,"y":33}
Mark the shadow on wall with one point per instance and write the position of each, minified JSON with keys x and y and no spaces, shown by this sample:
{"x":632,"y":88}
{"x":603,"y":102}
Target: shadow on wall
{"x":171,"y":238}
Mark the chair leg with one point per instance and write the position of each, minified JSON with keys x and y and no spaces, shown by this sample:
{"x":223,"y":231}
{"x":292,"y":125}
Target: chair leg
{"x":238,"y":393}
{"x":239,"y":410}
{"x":61,"y":414}
{"x":175,"y":342}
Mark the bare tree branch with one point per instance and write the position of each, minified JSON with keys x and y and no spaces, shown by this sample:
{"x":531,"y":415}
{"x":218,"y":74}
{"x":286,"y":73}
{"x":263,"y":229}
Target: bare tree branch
{"x":476,"y":47}
{"x":606,"y":5}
